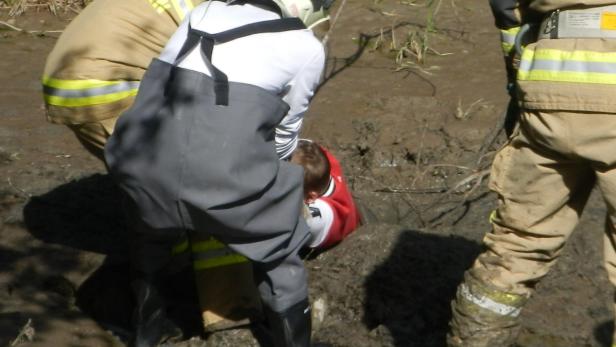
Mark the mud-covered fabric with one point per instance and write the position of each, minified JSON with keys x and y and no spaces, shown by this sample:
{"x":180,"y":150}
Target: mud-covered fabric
{"x":543,"y":178}
{"x":484,"y":316}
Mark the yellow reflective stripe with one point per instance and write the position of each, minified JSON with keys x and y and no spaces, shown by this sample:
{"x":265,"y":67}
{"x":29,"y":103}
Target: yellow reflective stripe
{"x":507,"y":48}
{"x":213,"y":261}
{"x":88,"y":100}
{"x":558,"y":55}
{"x":574,"y":77}
{"x":502,"y":304}
{"x":180,"y":247}
{"x":219,"y":261}
{"x":160,"y":5}
{"x":492,"y":216}
{"x":76,"y":84}
{"x":508,"y":39}
{"x":204,"y":247}
{"x":568,"y":66}
{"x":181,"y":7}
{"x":86,"y":92}
{"x":208,"y":245}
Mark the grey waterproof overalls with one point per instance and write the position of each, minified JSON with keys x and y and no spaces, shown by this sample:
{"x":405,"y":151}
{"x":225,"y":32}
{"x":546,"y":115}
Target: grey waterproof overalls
{"x":196,"y":152}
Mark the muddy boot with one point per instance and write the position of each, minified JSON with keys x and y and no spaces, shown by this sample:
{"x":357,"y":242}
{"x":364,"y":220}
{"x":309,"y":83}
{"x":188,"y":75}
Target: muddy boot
{"x":484,"y":317}
{"x":292,"y":327}
{"x":152,"y":326}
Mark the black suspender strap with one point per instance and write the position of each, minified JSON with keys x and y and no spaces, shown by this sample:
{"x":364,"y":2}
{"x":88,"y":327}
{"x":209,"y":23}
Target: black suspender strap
{"x":208,"y":41}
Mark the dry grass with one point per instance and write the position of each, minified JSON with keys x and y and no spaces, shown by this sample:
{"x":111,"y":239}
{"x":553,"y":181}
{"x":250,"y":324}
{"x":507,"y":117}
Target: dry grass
{"x":17,"y":7}
{"x":410,"y":50}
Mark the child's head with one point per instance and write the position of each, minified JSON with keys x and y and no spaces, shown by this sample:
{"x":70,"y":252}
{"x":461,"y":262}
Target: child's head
{"x":316,"y":168}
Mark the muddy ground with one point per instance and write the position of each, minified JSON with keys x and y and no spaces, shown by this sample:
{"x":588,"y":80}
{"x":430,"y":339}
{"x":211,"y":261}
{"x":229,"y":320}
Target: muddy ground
{"x":405,"y":138}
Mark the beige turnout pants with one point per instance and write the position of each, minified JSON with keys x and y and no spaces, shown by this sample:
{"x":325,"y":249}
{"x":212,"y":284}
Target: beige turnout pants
{"x":543,"y":178}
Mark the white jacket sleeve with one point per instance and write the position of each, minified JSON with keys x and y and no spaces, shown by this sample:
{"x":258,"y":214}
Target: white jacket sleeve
{"x":319,"y":222}
{"x":175,"y":43}
{"x":297,"y":95}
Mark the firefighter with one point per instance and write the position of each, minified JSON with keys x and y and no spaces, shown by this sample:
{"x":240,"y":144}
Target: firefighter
{"x":200,"y":150}
{"x":562,"y":148}
{"x":91,"y":76}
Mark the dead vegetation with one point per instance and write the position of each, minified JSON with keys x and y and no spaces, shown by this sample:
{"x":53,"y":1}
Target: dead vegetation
{"x":18,"y":7}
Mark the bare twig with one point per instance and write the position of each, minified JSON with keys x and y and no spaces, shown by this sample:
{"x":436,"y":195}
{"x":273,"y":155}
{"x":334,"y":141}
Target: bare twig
{"x":26,"y":333}
{"x":18,"y":8}
{"x":33,"y":32}
{"x":332,"y":24}
{"x":412,"y":191}
{"x":417,"y":212}
{"x":421,"y":145}
{"x":23,"y":192}
{"x":461,"y":167}
{"x":469,"y":179}
{"x":460,"y":184}
{"x":477,"y":177}
{"x":491,"y":138}
{"x":12,"y":27}
{"x":463,"y":202}
{"x":462,"y":113}
{"x":26,"y":5}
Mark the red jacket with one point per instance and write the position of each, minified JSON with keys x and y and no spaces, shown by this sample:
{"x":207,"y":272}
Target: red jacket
{"x":344,"y":217}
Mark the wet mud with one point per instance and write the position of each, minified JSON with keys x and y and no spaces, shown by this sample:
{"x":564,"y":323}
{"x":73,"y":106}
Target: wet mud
{"x":415,"y":137}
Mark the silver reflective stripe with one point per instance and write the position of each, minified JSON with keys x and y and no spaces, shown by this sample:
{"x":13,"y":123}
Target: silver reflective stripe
{"x":567,"y":65}
{"x":79,"y":93}
{"x":508,"y":37}
{"x":213,"y":253}
{"x":489,"y":304}
{"x":185,"y":7}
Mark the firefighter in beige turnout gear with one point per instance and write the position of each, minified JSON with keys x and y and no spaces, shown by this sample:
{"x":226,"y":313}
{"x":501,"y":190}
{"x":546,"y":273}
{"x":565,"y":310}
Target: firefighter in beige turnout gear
{"x":92,"y":76}
{"x":93,"y":72}
{"x":562,"y":148}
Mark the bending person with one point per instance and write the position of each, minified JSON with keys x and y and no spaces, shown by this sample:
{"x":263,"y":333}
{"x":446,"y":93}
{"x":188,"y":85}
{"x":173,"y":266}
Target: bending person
{"x":199,"y":151}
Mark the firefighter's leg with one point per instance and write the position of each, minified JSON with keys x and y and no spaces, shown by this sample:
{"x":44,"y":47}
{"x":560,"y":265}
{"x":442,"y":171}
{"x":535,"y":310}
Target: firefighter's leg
{"x":91,"y":124}
{"x":227,"y":293}
{"x":609,"y":253}
{"x":541,"y":196}
{"x":284,"y":290}
{"x":607,"y":183}
{"x":150,"y":256}
{"x":94,"y":135}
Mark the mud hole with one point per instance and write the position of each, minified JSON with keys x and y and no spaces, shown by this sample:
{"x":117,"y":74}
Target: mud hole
{"x":406,"y":139}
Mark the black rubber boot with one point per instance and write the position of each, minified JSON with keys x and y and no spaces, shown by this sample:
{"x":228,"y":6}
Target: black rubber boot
{"x":292,"y":327}
{"x":152,"y":327}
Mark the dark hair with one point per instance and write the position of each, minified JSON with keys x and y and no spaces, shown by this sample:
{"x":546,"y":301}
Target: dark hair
{"x":316,"y":166}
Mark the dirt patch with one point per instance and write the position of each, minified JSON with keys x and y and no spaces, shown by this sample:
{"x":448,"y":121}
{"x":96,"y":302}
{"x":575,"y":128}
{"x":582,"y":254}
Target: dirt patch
{"x":408,"y":140}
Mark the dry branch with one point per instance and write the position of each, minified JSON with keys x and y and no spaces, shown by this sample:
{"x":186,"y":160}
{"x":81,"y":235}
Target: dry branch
{"x":332,"y":24}
{"x":25,"y":334}
{"x":33,"y":32}
{"x":412,"y":191}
